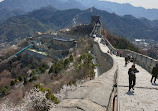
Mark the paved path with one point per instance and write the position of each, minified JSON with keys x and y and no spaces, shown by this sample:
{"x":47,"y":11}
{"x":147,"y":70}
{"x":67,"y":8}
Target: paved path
{"x":145,"y":96}
{"x":97,"y":69}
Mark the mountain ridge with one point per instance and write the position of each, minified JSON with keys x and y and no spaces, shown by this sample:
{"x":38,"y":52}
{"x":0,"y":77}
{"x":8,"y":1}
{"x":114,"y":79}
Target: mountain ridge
{"x":120,"y":9}
{"x":52,"y":18}
{"x":27,"y":6}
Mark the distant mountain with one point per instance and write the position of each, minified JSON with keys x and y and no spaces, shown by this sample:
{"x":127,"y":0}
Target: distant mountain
{"x":121,"y":9}
{"x":127,"y":26}
{"x":20,"y":27}
{"x":51,"y":18}
{"x":9,"y":8}
{"x":4,"y":13}
{"x":29,"y":5}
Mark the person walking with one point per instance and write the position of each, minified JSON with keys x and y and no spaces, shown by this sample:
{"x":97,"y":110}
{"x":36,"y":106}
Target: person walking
{"x":154,"y":73}
{"x":132,"y":77}
{"x":129,"y":58}
{"x":126,"y":60}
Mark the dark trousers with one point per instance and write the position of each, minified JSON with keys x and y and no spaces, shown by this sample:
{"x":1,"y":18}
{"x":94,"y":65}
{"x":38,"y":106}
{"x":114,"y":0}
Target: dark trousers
{"x":153,"y":77}
{"x":132,"y":82}
{"x":125,"y":63}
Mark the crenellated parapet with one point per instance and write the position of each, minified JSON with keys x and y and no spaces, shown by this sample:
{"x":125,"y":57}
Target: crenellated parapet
{"x":96,"y":24}
{"x":145,"y":61}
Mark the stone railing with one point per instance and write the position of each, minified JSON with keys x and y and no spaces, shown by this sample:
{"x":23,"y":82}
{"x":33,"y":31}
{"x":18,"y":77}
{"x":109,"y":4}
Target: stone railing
{"x":145,"y":61}
{"x":97,"y":94}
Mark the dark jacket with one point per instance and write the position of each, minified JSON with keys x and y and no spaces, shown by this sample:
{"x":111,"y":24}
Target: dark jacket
{"x":155,"y":71}
{"x":126,"y":59}
{"x":132,"y":72}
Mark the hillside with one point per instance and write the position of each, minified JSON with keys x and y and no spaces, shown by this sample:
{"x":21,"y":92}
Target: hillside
{"x":36,"y":78}
{"x":51,"y":18}
{"x":119,"y":42}
{"x":7,"y":13}
{"x":20,"y":27}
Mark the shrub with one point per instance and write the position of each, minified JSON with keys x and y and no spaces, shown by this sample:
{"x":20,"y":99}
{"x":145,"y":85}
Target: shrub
{"x":16,"y":80}
{"x":25,"y":81}
{"x":72,"y":82}
{"x":12,"y":83}
{"x":30,"y":80}
{"x":52,"y":69}
{"x":71,"y":58}
{"x":58,"y":66}
{"x":49,"y":94}
{"x":36,"y":100}
{"x":34,"y":71}
{"x":42,"y":69}
{"x":33,"y":66}
{"x":86,"y":65}
{"x":45,"y":66}
{"x":51,"y":97}
{"x":33,"y":78}
{"x":5,"y":90}
{"x":39,"y":87}
{"x":66,"y":62}
{"x":21,"y":78}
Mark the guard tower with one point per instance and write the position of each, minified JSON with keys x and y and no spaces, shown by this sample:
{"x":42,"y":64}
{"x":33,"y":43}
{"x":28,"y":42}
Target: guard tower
{"x":94,"y":20}
{"x":96,"y":24}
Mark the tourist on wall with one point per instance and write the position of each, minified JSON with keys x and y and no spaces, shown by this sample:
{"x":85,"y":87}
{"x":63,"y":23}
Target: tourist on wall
{"x":117,"y":53}
{"x":132,"y":59}
{"x":111,"y":51}
{"x":120,"y":54}
{"x":126,"y":61}
{"x":129,"y":58}
{"x":154,"y":73}
{"x":132,"y":77}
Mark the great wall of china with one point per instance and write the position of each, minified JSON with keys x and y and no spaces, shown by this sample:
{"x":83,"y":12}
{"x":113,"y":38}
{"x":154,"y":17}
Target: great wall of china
{"x":108,"y":92}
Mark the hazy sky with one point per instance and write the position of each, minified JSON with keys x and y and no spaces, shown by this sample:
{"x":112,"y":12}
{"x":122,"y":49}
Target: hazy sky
{"x":142,"y":3}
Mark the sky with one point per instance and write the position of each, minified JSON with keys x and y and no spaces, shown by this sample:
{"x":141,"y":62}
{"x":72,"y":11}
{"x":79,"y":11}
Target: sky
{"x":137,"y":3}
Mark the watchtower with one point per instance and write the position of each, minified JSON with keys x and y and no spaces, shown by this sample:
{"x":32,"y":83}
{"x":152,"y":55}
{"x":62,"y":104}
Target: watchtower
{"x":94,"y":20}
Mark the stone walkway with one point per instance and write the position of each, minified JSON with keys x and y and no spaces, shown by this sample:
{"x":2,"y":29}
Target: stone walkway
{"x":145,"y":96}
{"x":97,"y":69}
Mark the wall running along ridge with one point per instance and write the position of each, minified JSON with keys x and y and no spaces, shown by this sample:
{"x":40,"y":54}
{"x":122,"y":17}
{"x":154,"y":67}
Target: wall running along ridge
{"x":97,"y":94}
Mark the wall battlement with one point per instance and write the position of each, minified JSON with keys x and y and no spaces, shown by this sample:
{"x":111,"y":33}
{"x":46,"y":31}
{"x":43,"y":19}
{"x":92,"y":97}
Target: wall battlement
{"x":145,"y":61}
{"x":94,"y":20}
